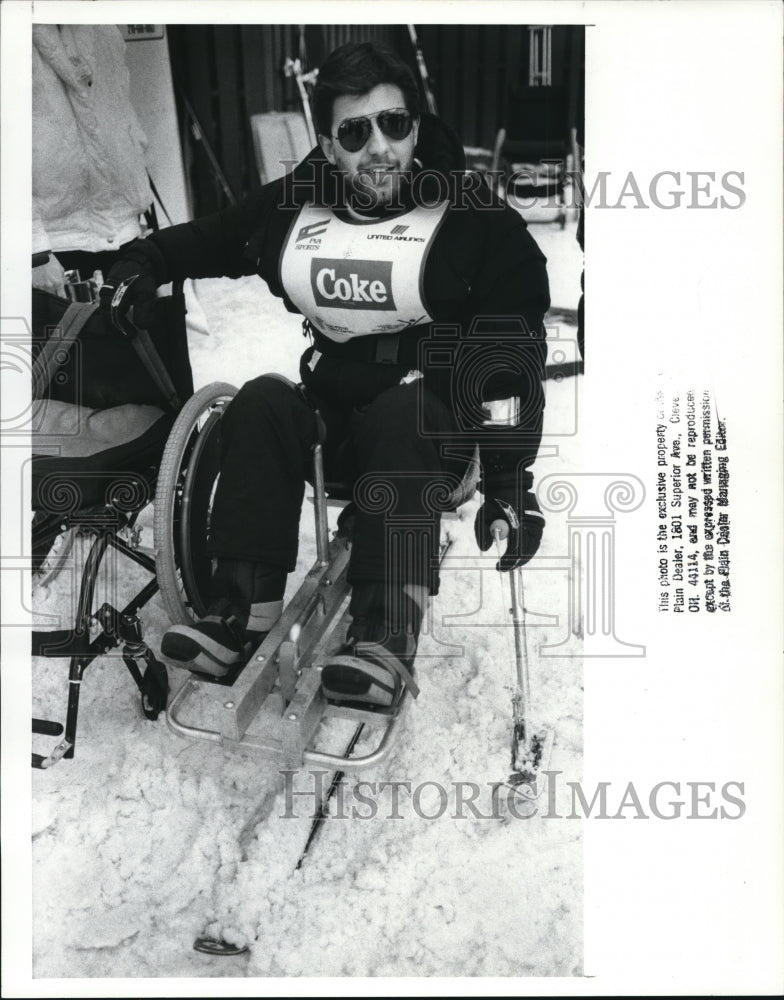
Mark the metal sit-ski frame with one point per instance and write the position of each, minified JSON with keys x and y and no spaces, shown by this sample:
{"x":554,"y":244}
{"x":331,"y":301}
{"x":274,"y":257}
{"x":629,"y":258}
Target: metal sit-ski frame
{"x":276,"y":704}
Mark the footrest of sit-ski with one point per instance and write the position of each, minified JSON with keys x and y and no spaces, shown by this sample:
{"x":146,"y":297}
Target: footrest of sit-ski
{"x":386,"y":719}
{"x":276,"y":706}
{"x":289,"y":733}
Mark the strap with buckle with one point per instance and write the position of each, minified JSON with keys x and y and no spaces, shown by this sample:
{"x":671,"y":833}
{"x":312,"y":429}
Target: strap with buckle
{"x":387,"y":348}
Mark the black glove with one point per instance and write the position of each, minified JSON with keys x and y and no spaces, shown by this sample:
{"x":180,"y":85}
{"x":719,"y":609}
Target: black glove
{"x":521,"y":513}
{"x":132,"y":283}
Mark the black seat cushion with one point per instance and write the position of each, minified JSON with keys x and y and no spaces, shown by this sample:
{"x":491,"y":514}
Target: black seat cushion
{"x":99,"y":434}
{"x":83,"y":458}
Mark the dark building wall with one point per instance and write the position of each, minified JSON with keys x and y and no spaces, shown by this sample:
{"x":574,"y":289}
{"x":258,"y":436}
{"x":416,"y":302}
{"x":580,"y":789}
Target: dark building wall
{"x":480,"y":77}
{"x":225,"y":73}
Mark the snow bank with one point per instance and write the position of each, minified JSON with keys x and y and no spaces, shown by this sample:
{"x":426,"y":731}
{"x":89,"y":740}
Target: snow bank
{"x":143,"y":841}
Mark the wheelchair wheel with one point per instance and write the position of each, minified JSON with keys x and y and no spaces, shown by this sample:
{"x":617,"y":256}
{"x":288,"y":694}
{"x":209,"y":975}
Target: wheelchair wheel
{"x":183,"y":503}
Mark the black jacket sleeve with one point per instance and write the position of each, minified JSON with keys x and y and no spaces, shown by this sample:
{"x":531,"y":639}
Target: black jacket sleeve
{"x":214,"y":246}
{"x":510,"y":298}
{"x":246,"y":238}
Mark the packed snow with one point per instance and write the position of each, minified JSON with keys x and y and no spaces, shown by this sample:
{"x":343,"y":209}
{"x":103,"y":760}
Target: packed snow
{"x":145,"y":841}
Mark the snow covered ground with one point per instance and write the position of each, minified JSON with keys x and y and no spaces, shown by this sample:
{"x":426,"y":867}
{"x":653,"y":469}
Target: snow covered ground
{"x":144,"y":841}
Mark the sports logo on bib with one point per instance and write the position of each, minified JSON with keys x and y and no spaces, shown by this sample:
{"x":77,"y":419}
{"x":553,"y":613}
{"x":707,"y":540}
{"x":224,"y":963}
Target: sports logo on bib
{"x":352,"y":283}
{"x":359,"y":278}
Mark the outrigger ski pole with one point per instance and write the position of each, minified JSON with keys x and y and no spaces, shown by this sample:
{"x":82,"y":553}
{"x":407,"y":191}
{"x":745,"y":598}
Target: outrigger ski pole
{"x":531,"y":747}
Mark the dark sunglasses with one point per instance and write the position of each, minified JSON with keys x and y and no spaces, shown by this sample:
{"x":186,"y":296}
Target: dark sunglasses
{"x":395,"y":124}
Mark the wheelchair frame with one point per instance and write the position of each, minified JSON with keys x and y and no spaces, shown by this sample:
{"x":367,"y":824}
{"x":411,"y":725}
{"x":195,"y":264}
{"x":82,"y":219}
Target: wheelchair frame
{"x":118,"y":626}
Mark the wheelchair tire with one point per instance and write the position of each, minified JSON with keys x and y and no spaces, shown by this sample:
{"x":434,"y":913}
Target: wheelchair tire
{"x":183,"y":502}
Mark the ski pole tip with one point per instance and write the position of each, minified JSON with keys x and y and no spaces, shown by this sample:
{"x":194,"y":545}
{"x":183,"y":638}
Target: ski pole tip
{"x":215,"y":946}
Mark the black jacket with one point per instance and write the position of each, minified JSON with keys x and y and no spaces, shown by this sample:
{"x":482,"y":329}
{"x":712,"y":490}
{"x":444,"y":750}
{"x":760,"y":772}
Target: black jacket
{"x":485,"y":285}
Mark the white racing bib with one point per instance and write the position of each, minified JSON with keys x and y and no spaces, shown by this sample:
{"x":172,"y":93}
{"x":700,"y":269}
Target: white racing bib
{"x":355,"y":279}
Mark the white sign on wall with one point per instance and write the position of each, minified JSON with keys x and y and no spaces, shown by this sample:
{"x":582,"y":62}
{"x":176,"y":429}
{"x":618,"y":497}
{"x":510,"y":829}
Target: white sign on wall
{"x":141,"y":32}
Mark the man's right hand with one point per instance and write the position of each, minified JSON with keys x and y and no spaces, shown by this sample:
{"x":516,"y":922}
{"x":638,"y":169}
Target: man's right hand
{"x":128,"y":285}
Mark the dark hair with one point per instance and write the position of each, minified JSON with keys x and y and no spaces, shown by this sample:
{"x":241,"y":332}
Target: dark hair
{"x":356,"y":68}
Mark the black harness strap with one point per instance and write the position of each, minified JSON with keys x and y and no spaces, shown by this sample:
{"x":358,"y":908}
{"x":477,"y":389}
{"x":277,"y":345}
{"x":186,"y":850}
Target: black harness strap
{"x":144,"y":347}
{"x":387,"y":348}
{"x":66,"y":332}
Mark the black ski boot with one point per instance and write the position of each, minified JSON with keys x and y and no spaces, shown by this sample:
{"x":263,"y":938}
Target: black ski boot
{"x":247,"y":601}
{"x":377,"y":660}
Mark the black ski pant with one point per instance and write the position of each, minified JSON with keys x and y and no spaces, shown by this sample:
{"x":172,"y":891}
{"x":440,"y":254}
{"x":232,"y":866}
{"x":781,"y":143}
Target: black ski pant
{"x":389,"y":454}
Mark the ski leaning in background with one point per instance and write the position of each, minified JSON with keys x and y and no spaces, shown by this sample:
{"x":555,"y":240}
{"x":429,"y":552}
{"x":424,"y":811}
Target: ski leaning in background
{"x":424,"y":297}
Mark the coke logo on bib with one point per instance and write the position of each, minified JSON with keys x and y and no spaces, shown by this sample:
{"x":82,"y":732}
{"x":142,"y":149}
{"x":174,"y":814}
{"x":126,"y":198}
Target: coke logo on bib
{"x":352,"y":284}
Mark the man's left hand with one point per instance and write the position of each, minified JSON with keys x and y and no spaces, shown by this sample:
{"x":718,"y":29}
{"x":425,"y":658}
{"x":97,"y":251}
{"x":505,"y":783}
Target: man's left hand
{"x":503,"y":509}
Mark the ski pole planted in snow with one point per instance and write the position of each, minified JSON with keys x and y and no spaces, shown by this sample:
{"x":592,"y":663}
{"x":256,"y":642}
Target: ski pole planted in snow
{"x":322,"y":811}
{"x":531,"y":746}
